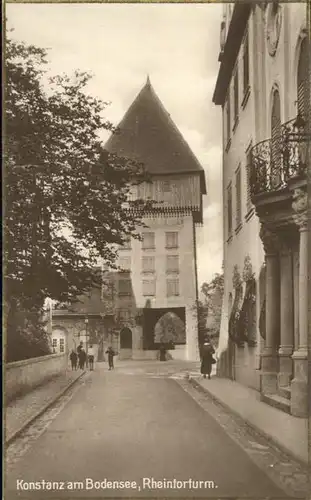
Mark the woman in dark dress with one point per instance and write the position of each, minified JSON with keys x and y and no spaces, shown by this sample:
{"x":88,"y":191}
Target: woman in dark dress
{"x":207,"y":359}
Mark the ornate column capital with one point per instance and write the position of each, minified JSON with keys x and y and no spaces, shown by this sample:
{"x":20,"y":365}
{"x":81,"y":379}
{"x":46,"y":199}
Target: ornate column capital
{"x":300,"y":207}
{"x":269,"y":239}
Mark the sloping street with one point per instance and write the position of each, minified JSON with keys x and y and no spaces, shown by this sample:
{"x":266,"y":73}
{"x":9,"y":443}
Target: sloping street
{"x":134,"y":424}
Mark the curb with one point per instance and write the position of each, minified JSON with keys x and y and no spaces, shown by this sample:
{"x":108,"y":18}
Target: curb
{"x":24,"y":426}
{"x":250,"y":424}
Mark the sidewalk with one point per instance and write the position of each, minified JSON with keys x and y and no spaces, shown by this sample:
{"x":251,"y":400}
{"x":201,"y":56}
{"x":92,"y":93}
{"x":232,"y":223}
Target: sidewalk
{"x":24,"y":409}
{"x":288,"y":432}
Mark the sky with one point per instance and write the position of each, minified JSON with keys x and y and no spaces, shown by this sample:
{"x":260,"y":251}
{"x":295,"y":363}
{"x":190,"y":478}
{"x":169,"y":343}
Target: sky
{"x":177,"y":45}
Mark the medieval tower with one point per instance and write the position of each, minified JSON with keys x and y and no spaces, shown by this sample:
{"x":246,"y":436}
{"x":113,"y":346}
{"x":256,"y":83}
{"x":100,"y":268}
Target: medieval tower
{"x":160,"y":271}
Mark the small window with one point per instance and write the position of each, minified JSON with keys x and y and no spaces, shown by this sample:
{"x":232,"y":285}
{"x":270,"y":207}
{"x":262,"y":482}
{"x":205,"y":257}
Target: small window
{"x":245,"y":64}
{"x":62,"y":345}
{"x":124,"y":315}
{"x":166,"y":187}
{"x":127,"y":243}
{"x":238,"y":213}
{"x":236,"y":96}
{"x":125,"y":264}
{"x":125,"y":287}
{"x":228,"y":117}
{"x":171,"y":239}
{"x":149,"y":287}
{"x":172,"y":264}
{"x":229,"y":208}
{"x":54,"y":342}
{"x":248,"y":179}
{"x":148,"y":241}
{"x":148,"y":264}
{"x":172,"y":287}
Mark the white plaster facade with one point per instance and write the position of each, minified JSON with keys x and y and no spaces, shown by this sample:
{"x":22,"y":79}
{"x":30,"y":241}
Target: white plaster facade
{"x":286,"y":28}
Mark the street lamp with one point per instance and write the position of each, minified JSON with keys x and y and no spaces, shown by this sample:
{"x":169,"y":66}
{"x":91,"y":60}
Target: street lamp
{"x":86,"y":321}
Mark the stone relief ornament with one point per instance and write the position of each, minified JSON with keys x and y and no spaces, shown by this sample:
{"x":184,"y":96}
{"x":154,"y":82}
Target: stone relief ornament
{"x":269,"y":239}
{"x":273,"y":26}
{"x":300,"y":207}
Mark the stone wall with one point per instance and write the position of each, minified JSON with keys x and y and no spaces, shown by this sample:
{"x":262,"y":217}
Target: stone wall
{"x":22,"y":376}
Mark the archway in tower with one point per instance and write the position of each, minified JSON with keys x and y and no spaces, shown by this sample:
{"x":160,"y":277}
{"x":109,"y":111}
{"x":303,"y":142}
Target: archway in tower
{"x":126,"y":343}
{"x":169,"y":329}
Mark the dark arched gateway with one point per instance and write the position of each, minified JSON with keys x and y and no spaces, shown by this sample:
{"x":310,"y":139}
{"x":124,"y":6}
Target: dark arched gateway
{"x":126,"y":338}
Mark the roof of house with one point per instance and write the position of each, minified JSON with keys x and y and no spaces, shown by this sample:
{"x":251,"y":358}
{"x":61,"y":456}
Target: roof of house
{"x":148,"y":134}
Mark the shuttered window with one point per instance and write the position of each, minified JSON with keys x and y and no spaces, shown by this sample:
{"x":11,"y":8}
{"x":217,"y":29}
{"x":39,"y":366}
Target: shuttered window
{"x":236,"y":95}
{"x":125,"y":287}
{"x":238,"y":213}
{"x":148,"y":264}
{"x":149,"y":287}
{"x":125,"y":264}
{"x":171,"y":239}
{"x":172,"y":287}
{"x":61,"y":345}
{"x":302,"y":80}
{"x":245,"y":64}
{"x":172,"y":264}
{"x":229,"y":208}
{"x":228,"y":117}
{"x":248,"y":179}
{"x":275,"y":173}
{"x":148,"y":242}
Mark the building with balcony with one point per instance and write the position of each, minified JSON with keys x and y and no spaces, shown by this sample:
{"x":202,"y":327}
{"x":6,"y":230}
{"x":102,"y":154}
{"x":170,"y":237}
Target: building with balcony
{"x":263,"y":87}
{"x":160,"y":273}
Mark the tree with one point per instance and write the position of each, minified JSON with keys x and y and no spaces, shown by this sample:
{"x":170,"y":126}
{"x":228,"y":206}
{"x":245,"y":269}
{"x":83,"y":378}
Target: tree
{"x":213,"y":292}
{"x":66,"y":198}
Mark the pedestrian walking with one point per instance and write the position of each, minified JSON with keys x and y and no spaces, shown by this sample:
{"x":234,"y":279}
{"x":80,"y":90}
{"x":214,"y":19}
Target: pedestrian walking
{"x":82,"y":358}
{"x":111,"y":355}
{"x":207,"y":359}
{"x":73,"y":359}
{"x":91,"y":355}
{"x":162,"y":352}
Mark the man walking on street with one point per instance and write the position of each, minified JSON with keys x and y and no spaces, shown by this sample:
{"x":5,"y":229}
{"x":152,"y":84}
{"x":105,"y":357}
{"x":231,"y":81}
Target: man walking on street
{"x":111,"y":354}
{"x":91,"y":355}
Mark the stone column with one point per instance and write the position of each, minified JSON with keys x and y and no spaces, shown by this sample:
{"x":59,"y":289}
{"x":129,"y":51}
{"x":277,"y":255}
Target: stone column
{"x":299,"y":385}
{"x":286,"y":313}
{"x":269,"y":354}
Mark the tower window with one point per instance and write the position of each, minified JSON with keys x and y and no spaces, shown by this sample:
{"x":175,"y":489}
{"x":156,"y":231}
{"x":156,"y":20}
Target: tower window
{"x":149,"y":287}
{"x":148,"y":241}
{"x":172,"y":287}
{"x":171,"y":239}
{"x":172,"y":264}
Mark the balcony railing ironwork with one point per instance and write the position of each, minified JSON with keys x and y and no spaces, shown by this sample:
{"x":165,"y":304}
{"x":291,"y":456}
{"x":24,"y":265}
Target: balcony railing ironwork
{"x":275,"y":161}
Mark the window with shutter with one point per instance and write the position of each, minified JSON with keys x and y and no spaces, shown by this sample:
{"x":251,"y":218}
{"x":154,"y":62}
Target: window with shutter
{"x":248,"y":178}
{"x":148,"y":264}
{"x":149,"y":287}
{"x":236,"y":97}
{"x":125,"y":287}
{"x":229,"y":208}
{"x":275,"y":173}
{"x":238,"y":213}
{"x":172,"y":287}
{"x":125,"y":264}
{"x":127,"y":243}
{"x":171,"y":239}
{"x":228,"y":118}
{"x":302,"y":80}
{"x":172,"y":264}
{"x":148,"y":242}
{"x":245,"y":64}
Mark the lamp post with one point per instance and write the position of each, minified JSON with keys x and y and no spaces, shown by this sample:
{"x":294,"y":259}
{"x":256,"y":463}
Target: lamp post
{"x":86,"y":321}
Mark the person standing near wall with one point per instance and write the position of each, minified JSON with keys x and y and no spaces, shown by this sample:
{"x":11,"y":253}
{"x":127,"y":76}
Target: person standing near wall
{"x":91,"y":356}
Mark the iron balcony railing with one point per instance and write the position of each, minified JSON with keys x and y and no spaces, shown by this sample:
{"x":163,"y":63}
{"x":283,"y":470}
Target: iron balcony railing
{"x":275,"y":161}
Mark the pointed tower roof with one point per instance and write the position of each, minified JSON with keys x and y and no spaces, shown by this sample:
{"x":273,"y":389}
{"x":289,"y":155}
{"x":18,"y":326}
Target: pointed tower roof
{"x":148,"y":134}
